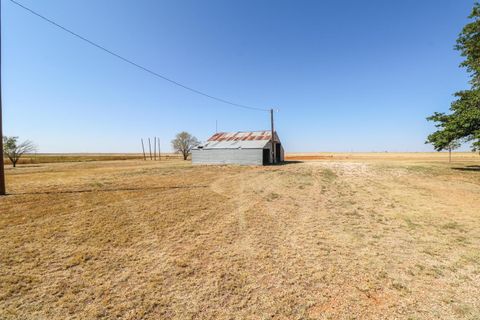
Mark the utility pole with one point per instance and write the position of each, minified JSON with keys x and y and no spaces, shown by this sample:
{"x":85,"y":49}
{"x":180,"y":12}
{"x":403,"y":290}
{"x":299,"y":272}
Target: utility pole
{"x":216,"y":126}
{"x":150,"y":148}
{"x":155,"y":148}
{"x":159,"y":154}
{"x":2,"y":167}
{"x":274,"y":160}
{"x":143,"y":148}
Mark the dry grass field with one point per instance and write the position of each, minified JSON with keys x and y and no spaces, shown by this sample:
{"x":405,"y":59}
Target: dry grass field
{"x":364,"y":237}
{"x":386,"y":156}
{"x":83,"y":157}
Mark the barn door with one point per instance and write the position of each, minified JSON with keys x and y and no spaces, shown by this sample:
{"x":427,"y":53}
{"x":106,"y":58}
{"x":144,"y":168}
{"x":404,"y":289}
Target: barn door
{"x":278,"y":152}
{"x":266,"y":156}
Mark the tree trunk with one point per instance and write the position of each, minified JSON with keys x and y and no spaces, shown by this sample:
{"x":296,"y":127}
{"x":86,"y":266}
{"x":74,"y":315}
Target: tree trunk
{"x":450,"y":155}
{"x":185,"y":156}
{"x":14,"y":163}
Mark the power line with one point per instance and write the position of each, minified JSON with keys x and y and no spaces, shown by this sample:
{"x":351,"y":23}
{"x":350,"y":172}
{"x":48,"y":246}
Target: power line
{"x":134,"y":63}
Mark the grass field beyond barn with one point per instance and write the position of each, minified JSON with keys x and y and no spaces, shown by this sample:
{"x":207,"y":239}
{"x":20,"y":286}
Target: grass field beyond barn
{"x":358,"y":236}
{"x":84,"y":157}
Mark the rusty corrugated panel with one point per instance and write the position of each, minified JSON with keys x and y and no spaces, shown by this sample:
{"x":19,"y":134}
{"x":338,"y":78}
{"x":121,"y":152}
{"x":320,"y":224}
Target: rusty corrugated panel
{"x":239,"y":139}
{"x":216,"y":137}
{"x":247,"y":136}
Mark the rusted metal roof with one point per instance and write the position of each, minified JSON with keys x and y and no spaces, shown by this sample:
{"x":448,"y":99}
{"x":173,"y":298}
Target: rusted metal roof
{"x":241,"y":136}
{"x":238,"y":140}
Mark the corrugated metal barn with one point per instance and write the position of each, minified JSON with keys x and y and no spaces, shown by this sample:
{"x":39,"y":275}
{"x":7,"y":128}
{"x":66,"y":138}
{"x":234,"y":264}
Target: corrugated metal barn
{"x":249,"y":148}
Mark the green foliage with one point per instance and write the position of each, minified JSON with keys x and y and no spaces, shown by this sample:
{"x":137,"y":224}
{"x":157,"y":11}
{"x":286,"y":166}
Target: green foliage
{"x":9,"y":143}
{"x":455,"y":144}
{"x":463,"y":123}
{"x":468,"y":43}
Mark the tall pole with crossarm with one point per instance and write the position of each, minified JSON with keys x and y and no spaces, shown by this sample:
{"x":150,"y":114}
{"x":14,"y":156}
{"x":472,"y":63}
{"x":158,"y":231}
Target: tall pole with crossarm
{"x":274,"y":154}
{"x":2,"y":167}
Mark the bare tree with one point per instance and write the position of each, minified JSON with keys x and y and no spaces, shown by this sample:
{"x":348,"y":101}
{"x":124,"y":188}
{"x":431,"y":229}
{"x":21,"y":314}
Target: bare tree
{"x":183,"y":143}
{"x":14,"y":150}
{"x":452,"y":145}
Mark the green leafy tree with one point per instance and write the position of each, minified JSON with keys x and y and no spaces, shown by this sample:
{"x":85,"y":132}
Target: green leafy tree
{"x":183,"y":143}
{"x":14,"y":150}
{"x":463,"y":122}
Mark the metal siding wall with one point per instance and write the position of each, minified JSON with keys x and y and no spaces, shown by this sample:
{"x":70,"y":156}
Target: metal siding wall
{"x":228,"y":156}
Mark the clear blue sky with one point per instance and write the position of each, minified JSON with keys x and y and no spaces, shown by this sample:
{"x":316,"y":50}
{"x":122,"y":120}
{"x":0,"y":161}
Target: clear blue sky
{"x":346,"y":75}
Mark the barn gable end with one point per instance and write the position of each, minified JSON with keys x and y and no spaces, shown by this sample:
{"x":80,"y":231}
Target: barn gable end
{"x":245,"y":148}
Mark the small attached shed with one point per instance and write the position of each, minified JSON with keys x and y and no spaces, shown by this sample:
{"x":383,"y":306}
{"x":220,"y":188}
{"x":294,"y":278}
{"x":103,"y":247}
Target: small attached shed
{"x":247,"y":148}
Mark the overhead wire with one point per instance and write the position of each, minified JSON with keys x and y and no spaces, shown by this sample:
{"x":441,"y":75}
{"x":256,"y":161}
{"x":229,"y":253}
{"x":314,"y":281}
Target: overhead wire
{"x":135,"y":64}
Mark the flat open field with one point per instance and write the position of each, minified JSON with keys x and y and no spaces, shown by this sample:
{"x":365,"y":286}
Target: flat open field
{"x":349,"y":238}
{"x":386,"y":156}
{"x":84,"y":157}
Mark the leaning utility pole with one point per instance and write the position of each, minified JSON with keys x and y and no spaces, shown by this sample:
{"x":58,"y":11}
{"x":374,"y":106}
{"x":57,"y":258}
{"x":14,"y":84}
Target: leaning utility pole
{"x":274,"y":160}
{"x":2,"y":168}
{"x":155,"y":148}
{"x":150,"y":148}
{"x":143,"y":148}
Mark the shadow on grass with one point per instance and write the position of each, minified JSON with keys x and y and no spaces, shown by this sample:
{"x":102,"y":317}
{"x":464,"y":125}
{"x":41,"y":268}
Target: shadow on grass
{"x":285,"y":163}
{"x":106,"y":190}
{"x":468,"y":168}
{"x":23,"y":166}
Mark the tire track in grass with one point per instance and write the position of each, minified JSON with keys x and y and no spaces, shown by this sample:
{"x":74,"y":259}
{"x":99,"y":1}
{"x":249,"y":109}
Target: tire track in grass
{"x":236,"y":192}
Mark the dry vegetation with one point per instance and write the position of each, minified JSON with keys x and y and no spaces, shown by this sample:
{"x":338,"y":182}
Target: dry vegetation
{"x":83,"y":157}
{"x":386,"y":156}
{"x":367,"y":239}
